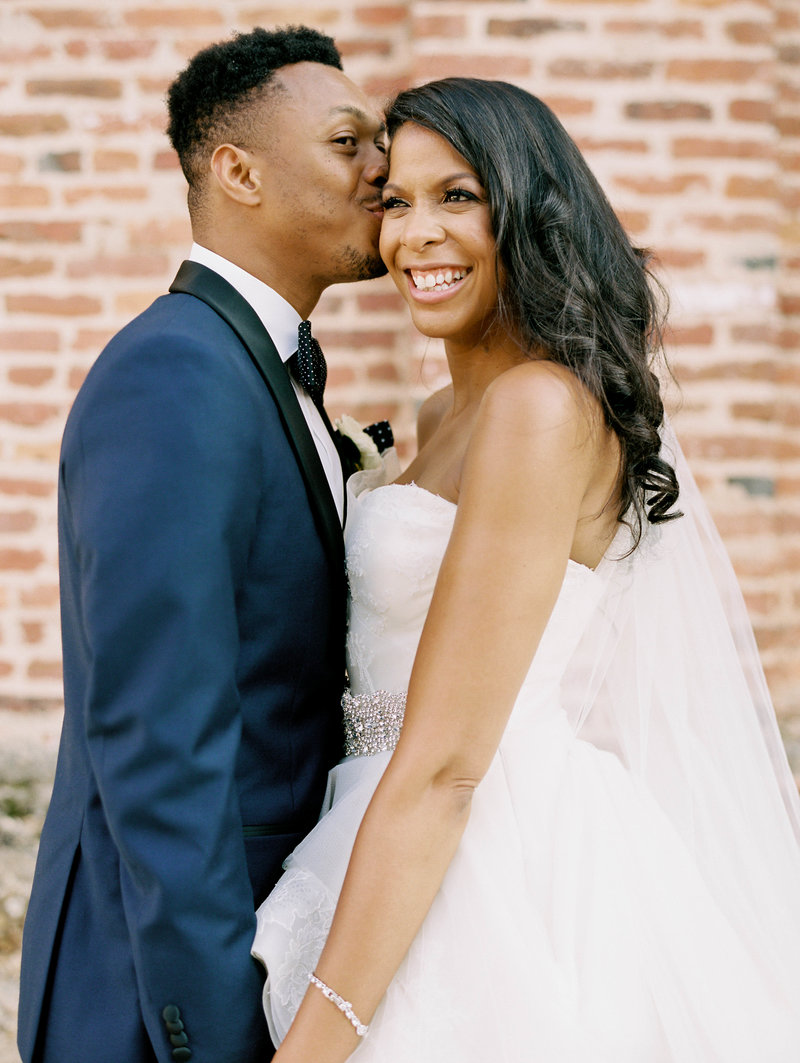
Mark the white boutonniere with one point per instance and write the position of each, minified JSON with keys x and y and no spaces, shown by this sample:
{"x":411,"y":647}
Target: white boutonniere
{"x":362,"y":451}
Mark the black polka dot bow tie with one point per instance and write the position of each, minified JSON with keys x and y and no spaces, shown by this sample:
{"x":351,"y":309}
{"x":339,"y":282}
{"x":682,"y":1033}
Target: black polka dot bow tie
{"x":308,"y":364}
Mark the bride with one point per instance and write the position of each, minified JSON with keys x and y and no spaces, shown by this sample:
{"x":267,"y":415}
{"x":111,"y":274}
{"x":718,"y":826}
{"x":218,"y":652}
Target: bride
{"x":583,"y":846}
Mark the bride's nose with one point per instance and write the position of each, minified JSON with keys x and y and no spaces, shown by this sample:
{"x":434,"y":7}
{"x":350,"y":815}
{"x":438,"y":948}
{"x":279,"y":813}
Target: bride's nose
{"x":421,"y":229}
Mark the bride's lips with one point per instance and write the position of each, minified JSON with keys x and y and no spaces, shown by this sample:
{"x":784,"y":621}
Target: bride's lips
{"x":434,"y":282}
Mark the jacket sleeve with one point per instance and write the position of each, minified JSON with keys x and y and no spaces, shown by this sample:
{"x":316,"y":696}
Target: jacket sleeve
{"x":162,"y":484}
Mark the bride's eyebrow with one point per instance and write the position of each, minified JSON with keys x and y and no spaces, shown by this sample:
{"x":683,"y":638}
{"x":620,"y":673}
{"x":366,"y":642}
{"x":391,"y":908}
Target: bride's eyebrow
{"x":442,"y":182}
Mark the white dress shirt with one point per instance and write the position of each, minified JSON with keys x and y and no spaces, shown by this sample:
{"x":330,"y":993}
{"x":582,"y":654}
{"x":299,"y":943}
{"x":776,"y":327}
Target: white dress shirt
{"x":280,"y":319}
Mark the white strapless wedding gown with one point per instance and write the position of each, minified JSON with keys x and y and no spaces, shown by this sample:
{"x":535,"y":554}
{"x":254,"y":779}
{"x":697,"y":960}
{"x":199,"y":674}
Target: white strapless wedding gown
{"x":573,"y":925}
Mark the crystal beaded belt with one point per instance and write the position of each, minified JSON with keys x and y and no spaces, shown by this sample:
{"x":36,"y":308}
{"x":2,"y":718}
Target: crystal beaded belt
{"x":372,"y":722}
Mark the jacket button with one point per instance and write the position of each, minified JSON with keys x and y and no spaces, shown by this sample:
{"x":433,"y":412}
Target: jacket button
{"x":178,"y":1039}
{"x":181,"y":1055}
{"x":175,"y":1027}
{"x":171,"y":1013}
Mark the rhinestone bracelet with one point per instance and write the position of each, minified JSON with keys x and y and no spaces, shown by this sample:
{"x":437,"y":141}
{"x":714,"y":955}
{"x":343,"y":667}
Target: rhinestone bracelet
{"x":343,"y":1005}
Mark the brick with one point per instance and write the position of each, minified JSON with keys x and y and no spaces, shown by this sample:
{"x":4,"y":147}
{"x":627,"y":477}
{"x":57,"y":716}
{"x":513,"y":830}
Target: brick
{"x":28,"y":340}
{"x":123,"y":50}
{"x":681,"y":258}
{"x":789,"y":304}
{"x":675,"y":184}
{"x":166,"y":160}
{"x":11,"y":53}
{"x":11,"y":163}
{"x":599,"y":70}
{"x":377,"y":302}
{"x":438,"y":26}
{"x":62,"y":305}
{"x":568,"y":106}
{"x":339,"y":376}
{"x":377,"y":46}
{"x":32,"y":631}
{"x":738,"y":187}
{"x":25,"y":487}
{"x":114,"y":193}
{"x":750,"y":32}
{"x":29,"y":414}
{"x":374,"y":339}
{"x":30,"y":376}
{"x":13,"y":559}
{"x":719,"y":148}
{"x":668,"y":110}
{"x":788,"y":125}
{"x":530,"y":27}
{"x":31,"y":125}
{"x":41,"y":596}
{"x":751,"y":110}
{"x":95,"y":88}
{"x":92,"y":339}
{"x":146,"y":18}
{"x":77,"y":49}
{"x":113,"y":161}
{"x":24,"y":267}
{"x":675,"y":28}
{"x":156,"y":86}
{"x":60,"y":162}
{"x":689,"y":335}
{"x":390,"y":15}
{"x":76,"y":377}
{"x":633,"y":221}
{"x":20,"y":520}
{"x":789,"y":54}
{"x":715,"y":70}
{"x":14,"y":196}
{"x":383,"y":371}
{"x":734,"y":223}
{"x":30,"y":232}
{"x":41,"y":669}
{"x":137,"y":265}
{"x":481,"y":66}
{"x":69,"y":18}
{"x":595,"y":144}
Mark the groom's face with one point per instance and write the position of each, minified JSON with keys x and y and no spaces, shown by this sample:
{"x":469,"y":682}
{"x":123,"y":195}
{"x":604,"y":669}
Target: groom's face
{"x":323,"y":169}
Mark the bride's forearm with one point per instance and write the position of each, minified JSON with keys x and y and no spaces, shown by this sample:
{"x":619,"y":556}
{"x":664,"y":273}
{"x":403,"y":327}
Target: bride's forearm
{"x":401,"y":854}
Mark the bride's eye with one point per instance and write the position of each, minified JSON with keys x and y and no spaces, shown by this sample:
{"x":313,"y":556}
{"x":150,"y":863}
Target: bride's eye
{"x":393,"y":203}
{"x":459,"y":195}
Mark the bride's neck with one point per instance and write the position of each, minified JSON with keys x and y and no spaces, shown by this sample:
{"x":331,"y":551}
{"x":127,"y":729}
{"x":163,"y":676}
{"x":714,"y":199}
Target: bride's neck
{"x":473,"y":367}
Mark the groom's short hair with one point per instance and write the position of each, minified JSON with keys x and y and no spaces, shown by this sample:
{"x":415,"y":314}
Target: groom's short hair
{"x":222,"y":91}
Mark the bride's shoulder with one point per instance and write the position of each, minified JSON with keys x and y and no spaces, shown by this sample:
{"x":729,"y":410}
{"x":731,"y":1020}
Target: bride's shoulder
{"x":537,"y":396}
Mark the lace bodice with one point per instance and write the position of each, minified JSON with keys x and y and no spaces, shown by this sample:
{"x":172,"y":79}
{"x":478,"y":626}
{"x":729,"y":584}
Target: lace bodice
{"x":396,"y":538}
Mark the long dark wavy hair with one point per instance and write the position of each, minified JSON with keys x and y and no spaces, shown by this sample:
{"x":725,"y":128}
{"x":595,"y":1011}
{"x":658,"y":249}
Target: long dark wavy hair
{"x":571,"y":283}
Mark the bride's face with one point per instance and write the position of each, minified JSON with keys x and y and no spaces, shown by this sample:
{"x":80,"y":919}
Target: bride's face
{"x":437,"y":239}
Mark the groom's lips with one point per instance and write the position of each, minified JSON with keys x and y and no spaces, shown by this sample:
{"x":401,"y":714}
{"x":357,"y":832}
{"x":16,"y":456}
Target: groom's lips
{"x":374,"y":206}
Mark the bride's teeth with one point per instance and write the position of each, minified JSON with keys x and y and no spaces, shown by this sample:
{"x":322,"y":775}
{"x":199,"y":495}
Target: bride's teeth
{"x":439,"y":281}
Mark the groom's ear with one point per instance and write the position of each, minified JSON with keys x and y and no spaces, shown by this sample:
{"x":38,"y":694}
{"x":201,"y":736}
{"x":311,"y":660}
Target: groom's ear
{"x":236,"y":172}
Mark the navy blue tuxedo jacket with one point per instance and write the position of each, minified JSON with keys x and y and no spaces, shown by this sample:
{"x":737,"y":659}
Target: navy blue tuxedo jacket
{"x":203,"y":611}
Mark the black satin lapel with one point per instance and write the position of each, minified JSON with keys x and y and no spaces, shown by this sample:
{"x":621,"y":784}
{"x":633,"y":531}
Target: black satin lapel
{"x":203,"y":283}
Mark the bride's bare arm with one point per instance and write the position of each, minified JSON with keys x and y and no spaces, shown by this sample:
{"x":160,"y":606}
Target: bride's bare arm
{"x":530,"y":461}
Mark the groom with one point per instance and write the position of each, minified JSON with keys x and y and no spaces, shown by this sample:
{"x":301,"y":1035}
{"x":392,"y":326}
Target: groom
{"x":203,"y":594}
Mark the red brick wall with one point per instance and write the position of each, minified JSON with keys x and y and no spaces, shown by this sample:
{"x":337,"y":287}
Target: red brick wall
{"x":688,"y":110}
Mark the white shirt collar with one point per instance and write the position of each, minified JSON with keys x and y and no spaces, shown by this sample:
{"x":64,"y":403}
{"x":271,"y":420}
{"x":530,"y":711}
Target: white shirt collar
{"x":279,"y":318}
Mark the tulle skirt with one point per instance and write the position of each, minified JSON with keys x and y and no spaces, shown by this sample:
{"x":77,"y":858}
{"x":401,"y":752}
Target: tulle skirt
{"x":573,"y":926}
